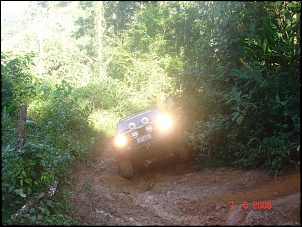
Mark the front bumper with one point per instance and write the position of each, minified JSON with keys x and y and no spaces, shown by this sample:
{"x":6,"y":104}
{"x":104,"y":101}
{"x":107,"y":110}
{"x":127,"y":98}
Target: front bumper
{"x":157,"y":146}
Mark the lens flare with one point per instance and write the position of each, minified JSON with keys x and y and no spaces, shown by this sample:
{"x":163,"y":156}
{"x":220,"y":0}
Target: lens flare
{"x":164,"y":122}
{"x":120,"y":141}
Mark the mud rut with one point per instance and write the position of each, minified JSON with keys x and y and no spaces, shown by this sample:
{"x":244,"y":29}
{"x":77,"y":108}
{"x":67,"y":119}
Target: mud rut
{"x":168,"y":193}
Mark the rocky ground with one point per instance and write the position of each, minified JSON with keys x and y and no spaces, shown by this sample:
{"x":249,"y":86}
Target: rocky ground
{"x":169,"y":193}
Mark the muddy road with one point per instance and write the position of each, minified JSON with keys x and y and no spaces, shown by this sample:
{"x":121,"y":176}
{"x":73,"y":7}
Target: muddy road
{"x":169,"y":193}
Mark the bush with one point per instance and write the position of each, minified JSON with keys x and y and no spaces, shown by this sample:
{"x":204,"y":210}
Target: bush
{"x":17,"y":83}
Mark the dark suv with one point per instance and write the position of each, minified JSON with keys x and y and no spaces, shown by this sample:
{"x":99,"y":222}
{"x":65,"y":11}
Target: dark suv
{"x":147,"y":135}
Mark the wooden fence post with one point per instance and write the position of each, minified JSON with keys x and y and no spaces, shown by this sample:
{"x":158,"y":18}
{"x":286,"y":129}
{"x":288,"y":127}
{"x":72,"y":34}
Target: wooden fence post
{"x":22,"y":126}
{"x":21,"y":141}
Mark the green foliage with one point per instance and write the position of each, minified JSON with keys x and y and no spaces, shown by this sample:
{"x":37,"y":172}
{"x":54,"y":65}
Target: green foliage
{"x":17,"y":84}
{"x":48,"y":211}
{"x":57,"y":133}
{"x":104,"y":93}
{"x":245,"y":108}
{"x":119,"y":14}
{"x":29,"y":171}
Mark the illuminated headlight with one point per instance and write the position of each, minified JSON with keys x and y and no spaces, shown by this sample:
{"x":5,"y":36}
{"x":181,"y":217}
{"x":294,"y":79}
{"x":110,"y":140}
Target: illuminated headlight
{"x":120,"y":141}
{"x":134,"y":134}
{"x":164,"y":122}
{"x":149,"y":128}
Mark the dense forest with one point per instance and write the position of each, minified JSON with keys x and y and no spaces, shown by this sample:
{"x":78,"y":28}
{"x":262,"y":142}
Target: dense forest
{"x":232,"y":68}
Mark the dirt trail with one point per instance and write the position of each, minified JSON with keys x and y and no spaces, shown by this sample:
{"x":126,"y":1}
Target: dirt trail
{"x":168,"y":193}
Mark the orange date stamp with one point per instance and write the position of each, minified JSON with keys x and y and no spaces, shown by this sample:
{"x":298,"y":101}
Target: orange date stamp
{"x":255,"y":205}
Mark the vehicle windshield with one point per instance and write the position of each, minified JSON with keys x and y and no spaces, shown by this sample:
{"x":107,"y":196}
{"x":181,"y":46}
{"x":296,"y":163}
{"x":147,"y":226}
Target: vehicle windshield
{"x":150,"y":114}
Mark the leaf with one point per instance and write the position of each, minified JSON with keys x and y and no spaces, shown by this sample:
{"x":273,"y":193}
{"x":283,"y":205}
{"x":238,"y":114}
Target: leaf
{"x":33,"y":174}
{"x":278,"y":98}
{"x":285,"y":126}
{"x":234,"y":115}
{"x":23,"y":195}
{"x":42,"y":209}
{"x":32,"y":210}
{"x":240,"y":119}
{"x":51,"y":177}
{"x":30,"y":122}
{"x":29,"y":85}
{"x":29,"y":191}
{"x":28,"y":180}
{"x":9,"y":109}
{"x":275,"y":109}
{"x":250,"y":41}
{"x":11,"y":188}
{"x":23,"y":173}
{"x":39,"y":155}
{"x":20,"y":192}
{"x":46,"y":179}
{"x":264,"y":45}
{"x":40,"y":146}
{"x":49,"y":203}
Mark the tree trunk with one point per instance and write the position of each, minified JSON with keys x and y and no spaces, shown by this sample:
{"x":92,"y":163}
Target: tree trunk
{"x":100,"y":28}
{"x":22,"y":126}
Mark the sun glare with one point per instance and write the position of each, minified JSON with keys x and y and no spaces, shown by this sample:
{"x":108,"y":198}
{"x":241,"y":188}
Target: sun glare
{"x":12,"y":8}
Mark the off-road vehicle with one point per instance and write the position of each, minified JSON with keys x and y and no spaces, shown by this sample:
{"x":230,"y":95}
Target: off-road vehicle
{"x":145,"y":136}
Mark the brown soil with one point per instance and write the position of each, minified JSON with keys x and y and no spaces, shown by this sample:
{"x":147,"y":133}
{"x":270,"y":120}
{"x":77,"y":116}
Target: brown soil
{"x":168,"y":193}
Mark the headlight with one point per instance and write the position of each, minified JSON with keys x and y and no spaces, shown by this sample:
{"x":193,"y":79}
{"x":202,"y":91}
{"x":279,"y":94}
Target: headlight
{"x":149,"y":128}
{"x":164,"y":122}
{"x":134,"y":134}
{"x":120,"y":141}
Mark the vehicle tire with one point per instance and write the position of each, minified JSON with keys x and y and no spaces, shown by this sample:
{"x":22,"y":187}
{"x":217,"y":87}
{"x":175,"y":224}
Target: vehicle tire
{"x":126,"y":169}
